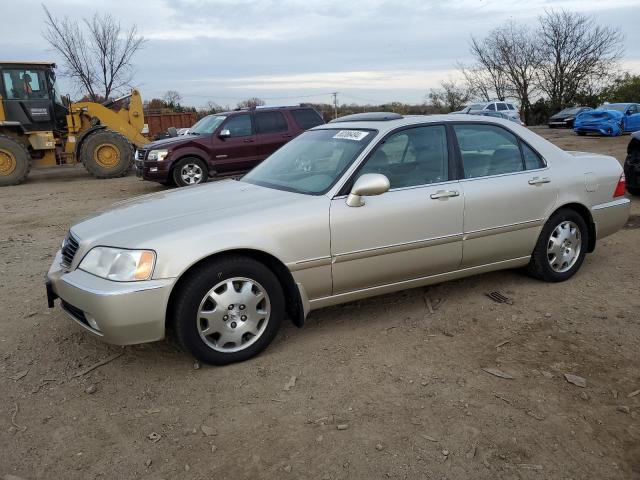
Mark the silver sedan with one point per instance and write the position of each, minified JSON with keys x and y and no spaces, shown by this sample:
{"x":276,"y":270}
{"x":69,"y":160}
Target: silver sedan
{"x":366,"y":205}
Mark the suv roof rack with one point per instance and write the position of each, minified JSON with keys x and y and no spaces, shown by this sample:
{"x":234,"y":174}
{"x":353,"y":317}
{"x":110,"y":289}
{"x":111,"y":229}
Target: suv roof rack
{"x":368,"y":117}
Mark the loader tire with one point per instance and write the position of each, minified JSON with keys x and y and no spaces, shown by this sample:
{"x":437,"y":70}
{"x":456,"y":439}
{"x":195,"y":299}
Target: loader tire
{"x":106,"y":154}
{"x":15,"y":161}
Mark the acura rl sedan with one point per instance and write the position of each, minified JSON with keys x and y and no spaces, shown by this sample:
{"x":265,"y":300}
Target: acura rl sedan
{"x":365,"y":205}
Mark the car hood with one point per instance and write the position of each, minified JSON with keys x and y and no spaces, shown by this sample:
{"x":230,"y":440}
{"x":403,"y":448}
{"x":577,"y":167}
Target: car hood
{"x":138,"y":220}
{"x":170,"y":142}
{"x":600,"y":114}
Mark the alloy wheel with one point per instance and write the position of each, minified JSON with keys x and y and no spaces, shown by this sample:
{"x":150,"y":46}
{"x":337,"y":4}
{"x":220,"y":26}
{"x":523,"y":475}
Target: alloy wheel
{"x":191,"y":173}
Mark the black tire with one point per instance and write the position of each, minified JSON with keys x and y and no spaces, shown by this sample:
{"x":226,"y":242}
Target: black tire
{"x":195,"y":163}
{"x":184,"y":310}
{"x":15,"y":161}
{"x":539,"y":265}
{"x":635,"y":191}
{"x":106,"y":154}
{"x":582,"y":134}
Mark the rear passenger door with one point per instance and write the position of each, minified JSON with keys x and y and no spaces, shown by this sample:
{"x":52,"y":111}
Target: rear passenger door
{"x":508,"y":193}
{"x":272,"y":132}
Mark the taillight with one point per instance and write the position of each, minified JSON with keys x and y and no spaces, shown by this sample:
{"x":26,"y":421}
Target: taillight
{"x":620,"y":188}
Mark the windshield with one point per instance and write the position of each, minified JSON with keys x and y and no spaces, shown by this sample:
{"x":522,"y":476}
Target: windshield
{"x":477,"y":106}
{"x":570,"y":111}
{"x":207,"y":124}
{"x":621,"y":107}
{"x":312,"y":162}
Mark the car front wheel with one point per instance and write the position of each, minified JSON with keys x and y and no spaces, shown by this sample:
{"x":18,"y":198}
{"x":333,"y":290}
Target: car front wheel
{"x":228,"y":310}
{"x":190,"y":171}
{"x":561,"y":247}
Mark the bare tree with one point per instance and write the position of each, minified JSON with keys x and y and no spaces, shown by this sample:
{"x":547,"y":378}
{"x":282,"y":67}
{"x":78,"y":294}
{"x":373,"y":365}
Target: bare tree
{"x":450,"y":97}
{"x":511,"y":51}
{"x":251,"y":103}
{"x":577,"y":53}
{"x":484,"y":83}
{"x":172,"y":97}
{"x":96,"y":53}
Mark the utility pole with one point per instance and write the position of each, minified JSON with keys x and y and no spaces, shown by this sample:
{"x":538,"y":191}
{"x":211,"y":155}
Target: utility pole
{"x":335,"y":104}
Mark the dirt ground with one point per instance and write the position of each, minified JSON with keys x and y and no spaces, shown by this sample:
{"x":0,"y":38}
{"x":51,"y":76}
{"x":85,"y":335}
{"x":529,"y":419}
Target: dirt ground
{"x":407,"y":382}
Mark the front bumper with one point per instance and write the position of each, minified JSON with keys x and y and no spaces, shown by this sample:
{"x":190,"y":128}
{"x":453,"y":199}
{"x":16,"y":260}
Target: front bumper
{"x":611,"y":216}
{"x":121,"y":313}
{"x":154,"y":171}
{"x":560,"y":123}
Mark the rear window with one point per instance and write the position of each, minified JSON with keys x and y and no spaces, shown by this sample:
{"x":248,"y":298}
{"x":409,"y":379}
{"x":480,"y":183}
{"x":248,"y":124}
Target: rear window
{"x":270,"y":122}
{"x":307,"y":118}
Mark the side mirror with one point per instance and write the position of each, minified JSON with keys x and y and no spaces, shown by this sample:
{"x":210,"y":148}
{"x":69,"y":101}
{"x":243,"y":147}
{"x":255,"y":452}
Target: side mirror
{"x":367,"y":185}
{"x":172,"y":131}
{"x":224,"y":133}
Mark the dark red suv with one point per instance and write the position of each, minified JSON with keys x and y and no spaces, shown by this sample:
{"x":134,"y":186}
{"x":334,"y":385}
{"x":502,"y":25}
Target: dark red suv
{"x":222,"y":144}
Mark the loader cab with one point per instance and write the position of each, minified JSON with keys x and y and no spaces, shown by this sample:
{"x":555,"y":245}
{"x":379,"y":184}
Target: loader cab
{"x":29,"y":96}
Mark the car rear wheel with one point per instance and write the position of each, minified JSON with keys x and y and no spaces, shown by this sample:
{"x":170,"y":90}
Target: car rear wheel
{"x":561,"y":247}
{"x":228,"y":310}
{"x":190,"y":171}
{"x":635,"y":191}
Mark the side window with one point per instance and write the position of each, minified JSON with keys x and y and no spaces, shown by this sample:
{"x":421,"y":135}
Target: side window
{"x":270,"y":122}
{"x":633,"y":109}
{"x":25,"y":84}
{"x":239,"y":126}
{"x":531,"y":159}
{"x":416,"y":156}
{"x":487,"y":150}
{"x":502,"y":107}
{"x":307,"y":118}
{"x":491,"y":106}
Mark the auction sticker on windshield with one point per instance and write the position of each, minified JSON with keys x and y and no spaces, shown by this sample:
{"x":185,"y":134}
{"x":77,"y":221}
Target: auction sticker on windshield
{"x":355,"y":135}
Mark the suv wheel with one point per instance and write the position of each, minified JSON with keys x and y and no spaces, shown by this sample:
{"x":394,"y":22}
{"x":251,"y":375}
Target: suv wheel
{"x":228,"y":310}
{"x":190,"y":171}
{"x":561,"y":247}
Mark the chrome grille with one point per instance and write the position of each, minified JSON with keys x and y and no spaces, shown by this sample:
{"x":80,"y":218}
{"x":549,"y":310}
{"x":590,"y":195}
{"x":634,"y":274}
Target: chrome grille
{"x":69,"y":249}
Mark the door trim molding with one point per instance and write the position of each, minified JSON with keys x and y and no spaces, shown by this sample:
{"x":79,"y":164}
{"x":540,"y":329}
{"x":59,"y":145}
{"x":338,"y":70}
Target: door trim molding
{"x":512,"y":227}
{"x":396,"y":247}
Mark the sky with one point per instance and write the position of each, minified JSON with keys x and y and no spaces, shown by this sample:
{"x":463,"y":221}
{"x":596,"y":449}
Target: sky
{"x":292,"y":51}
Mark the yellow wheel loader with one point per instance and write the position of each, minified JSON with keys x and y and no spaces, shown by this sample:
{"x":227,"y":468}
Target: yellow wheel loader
{"x":38,"y":129}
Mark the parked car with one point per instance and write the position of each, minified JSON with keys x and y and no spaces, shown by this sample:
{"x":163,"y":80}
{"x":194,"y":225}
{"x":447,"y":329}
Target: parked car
{"x":490,"y":113}
{"x":632,"y":165}
{"x":366,"y":205}
{"x":506,"y":108}
{"x":565,"y":118}
{"x":222,"y":144}
{"x":610,"y":119}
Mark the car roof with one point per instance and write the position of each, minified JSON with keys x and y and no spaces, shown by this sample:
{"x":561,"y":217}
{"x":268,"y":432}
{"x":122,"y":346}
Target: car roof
{"x":263,"y":109}
{"x":384,"y":126}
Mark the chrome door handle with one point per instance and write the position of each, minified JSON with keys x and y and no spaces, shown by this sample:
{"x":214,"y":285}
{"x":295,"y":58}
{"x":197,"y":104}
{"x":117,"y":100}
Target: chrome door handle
{"x":539,"y":180}
{"x":444,"y":194}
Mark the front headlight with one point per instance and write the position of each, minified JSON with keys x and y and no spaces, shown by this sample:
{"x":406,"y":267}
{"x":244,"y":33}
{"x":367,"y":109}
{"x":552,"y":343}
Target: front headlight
{"x":568,"y":119}
{"x":118,"y":264}
{"x":158,"y":155}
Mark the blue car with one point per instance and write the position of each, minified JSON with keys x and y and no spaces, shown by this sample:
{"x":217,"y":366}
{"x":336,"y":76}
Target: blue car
{"x":612,"y":119}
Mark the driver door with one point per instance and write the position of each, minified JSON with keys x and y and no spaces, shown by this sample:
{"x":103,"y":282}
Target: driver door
{"x":413,"y":230}
{"x":238,"y":151}
{"x":632,"y":120}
